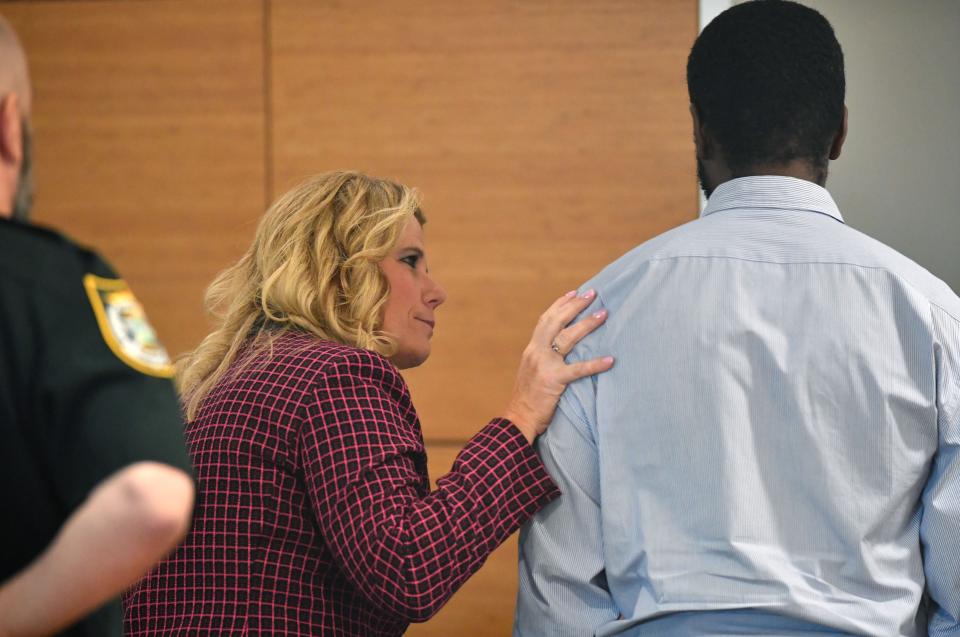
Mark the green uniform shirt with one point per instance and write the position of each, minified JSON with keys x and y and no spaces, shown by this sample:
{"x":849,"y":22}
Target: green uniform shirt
{"x":84,"y":390}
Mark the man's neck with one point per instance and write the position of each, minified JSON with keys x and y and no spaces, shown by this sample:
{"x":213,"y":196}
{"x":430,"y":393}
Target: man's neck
{"x":714,"y":173}
{"x":797,"y":168}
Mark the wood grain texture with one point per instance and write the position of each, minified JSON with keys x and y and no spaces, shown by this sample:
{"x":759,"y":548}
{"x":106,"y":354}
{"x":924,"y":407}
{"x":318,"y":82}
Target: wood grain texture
{"x":149,"y":139}
{"x":547,"y":137}
{"x":484,"y":606}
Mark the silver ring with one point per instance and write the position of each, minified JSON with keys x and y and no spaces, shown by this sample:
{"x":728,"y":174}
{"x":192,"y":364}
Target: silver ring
{"x":555,"y":347}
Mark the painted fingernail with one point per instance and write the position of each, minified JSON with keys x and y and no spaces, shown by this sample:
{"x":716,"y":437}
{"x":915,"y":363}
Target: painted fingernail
{"x":571,"y":294}
{"x":607,"y":359}
{"x":600,"y":314}
{"x":589,"y":294}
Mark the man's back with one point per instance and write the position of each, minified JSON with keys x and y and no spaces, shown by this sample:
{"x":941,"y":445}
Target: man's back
{"x":756,"y":462}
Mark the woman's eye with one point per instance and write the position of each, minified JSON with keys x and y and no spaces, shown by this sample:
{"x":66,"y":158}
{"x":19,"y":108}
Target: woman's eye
{"x":411,"y":260}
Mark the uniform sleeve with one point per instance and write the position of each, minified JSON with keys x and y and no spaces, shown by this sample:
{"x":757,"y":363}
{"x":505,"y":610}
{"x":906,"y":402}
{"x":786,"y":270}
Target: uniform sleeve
{"x":940,"y":522}
{"x":99,"y":412}
{"x":562,"y":584}
{"x":404,"y":548}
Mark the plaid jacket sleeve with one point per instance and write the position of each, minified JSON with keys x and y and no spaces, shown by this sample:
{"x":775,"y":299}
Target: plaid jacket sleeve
{"x":406,"y":548}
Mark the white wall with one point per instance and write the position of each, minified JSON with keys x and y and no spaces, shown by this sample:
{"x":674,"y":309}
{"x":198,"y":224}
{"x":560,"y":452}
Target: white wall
{"x":898,"y":178}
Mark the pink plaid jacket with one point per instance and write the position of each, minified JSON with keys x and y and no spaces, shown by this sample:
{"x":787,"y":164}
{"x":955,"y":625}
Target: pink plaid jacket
{"x":314,"y":512}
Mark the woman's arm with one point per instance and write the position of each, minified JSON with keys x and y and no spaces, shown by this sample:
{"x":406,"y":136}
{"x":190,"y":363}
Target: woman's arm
{"x":129,"y":522}
{"x":405,"y":548}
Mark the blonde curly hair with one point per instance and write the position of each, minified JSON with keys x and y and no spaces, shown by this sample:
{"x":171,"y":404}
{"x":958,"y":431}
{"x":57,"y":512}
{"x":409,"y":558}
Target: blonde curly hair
{"x":313,"y":266}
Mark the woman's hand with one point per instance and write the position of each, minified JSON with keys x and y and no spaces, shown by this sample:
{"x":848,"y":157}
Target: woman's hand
{"x":543,"y":374}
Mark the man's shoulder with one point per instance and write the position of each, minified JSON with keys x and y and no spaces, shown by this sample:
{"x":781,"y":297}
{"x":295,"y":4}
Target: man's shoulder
{"x":842,"y":245}
{"x":46,"y":259}
{"x":873,"y":253}
{"x":634,"y":262}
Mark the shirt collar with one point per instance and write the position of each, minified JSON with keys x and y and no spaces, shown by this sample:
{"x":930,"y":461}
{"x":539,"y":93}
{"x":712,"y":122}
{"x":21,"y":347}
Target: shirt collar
{"x":772,"y":191}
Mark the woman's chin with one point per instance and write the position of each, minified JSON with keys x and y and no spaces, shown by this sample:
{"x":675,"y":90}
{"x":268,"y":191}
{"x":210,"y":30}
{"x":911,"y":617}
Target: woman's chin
{"x":410,"y":359}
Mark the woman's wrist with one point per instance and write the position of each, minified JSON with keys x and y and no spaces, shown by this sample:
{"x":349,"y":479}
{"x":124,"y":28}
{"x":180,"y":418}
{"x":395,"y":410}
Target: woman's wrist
{"x":521,"y":422}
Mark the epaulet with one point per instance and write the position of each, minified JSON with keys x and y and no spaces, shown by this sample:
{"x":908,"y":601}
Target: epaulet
{"x":30,"y":229}
{"x":43,"y":244}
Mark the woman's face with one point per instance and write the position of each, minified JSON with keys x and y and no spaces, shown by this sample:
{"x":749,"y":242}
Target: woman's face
{"x":410,"y":312}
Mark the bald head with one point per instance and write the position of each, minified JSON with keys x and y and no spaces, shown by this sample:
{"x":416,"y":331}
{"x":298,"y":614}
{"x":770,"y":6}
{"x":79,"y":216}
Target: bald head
{"x":16,"y":177}
{"x":14,"y":77}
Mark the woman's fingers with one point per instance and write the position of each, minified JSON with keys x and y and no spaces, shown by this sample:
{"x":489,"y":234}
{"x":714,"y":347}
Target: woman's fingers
{"x":564,"y":341}
{"x":558,"y":315}
{"x":573,"y":371}
{"x":543,"y":373}
{"x":563,"y":300}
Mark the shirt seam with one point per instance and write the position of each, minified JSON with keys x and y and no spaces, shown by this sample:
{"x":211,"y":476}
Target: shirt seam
{"x":954,"y":404}
{"x":578,"y":422}
{"x":707,"y":212}
{"x":945,"y":311}
{"x":825,"y":262}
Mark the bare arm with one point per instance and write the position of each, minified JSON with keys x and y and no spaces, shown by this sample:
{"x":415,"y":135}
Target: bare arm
{"x":130,"y":521}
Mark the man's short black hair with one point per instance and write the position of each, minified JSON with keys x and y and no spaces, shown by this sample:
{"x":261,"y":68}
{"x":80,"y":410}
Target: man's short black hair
{"x":766,"y":78}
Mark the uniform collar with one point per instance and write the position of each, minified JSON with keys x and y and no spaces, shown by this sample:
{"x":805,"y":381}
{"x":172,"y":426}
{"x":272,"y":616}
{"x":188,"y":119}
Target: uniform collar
{"x":772,"y":191}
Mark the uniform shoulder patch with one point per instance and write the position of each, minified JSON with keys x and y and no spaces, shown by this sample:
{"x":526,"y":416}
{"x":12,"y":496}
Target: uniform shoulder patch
{"x":124,"y":326}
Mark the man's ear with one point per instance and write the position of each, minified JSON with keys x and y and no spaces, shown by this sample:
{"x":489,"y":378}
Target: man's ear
{"x":841,"y":137}
{"x":11,"y":138}
{"x":700,"y":138}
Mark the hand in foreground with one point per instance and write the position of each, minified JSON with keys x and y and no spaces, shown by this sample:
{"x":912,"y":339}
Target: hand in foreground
{"x":543,"y":374}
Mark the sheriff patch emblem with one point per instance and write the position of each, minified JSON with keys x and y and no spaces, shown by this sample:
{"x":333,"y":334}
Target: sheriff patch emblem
{"x":124,"y":326}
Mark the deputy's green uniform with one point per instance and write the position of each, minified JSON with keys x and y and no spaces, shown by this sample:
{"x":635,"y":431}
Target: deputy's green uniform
{"x":84,"y":390}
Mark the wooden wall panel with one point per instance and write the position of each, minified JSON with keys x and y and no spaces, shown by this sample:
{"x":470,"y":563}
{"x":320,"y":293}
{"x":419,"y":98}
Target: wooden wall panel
{"x":149,"y":139}
{"x":484,"y":606}
{"x":548,"y":138}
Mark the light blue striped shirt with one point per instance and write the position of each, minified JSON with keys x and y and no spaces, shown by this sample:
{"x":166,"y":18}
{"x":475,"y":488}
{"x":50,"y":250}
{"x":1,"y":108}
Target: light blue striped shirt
{"x":777,"y":449}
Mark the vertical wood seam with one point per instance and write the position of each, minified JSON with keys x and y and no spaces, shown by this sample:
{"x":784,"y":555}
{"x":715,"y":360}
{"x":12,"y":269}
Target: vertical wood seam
{"x":267,"y":104}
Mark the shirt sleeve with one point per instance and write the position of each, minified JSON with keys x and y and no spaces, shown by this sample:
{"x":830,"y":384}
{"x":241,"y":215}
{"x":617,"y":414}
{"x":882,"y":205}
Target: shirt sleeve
{"x":98,"y":412}
{"x":940,"y":522}
{"x":562,"y":584}
{"x":404,"y":547}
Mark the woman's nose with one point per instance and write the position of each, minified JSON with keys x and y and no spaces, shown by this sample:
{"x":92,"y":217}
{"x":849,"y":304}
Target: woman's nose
{"x":435,"y":294}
